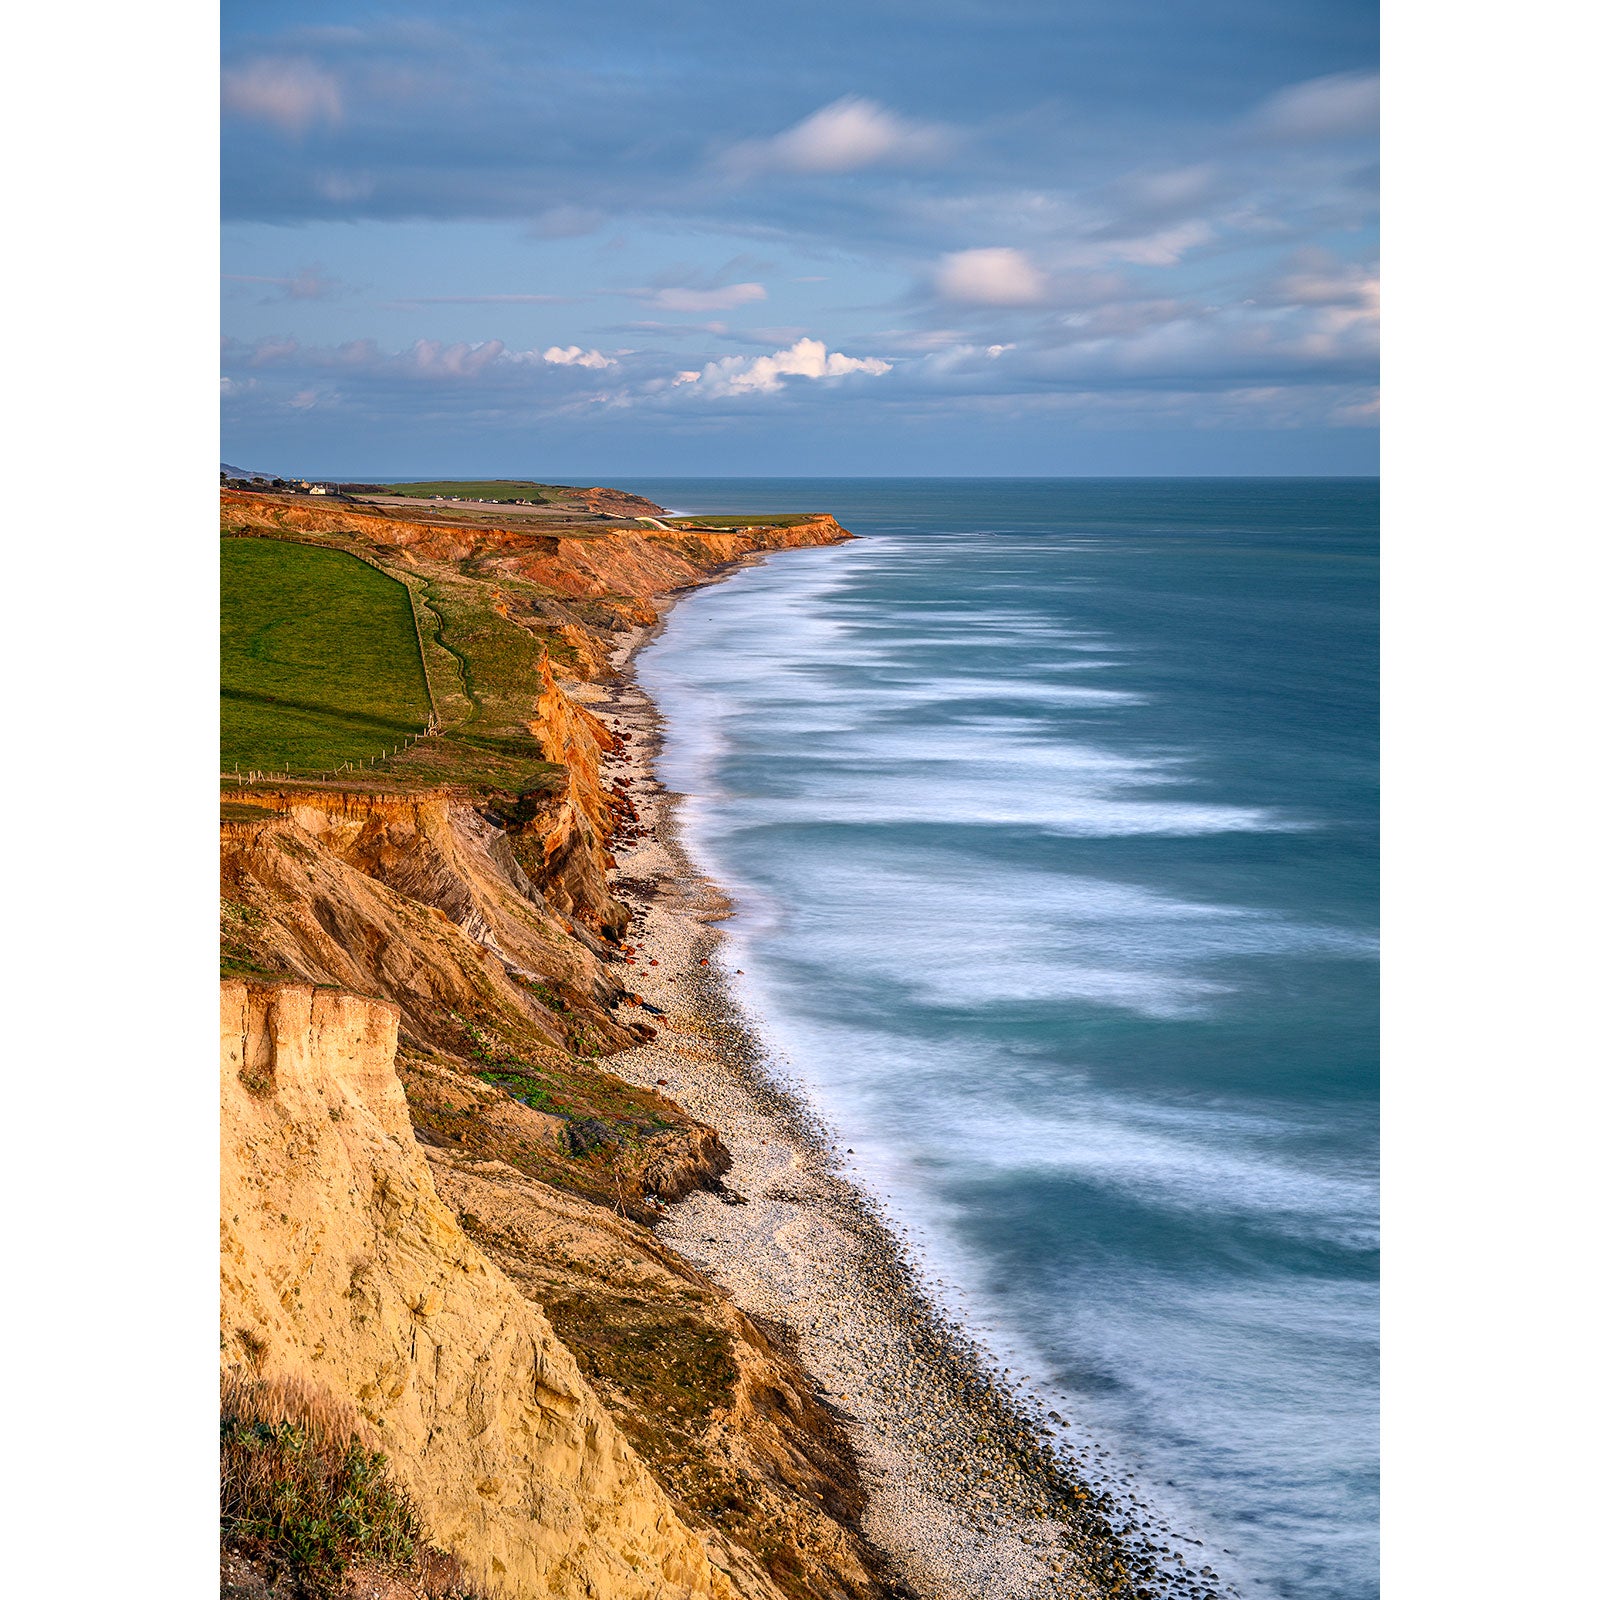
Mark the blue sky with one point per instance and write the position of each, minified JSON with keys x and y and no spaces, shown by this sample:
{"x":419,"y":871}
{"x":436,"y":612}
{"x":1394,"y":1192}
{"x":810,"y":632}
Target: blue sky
{"x":889,"y":236}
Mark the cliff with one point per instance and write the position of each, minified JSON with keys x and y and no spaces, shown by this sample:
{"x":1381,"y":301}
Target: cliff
{"x":402,"y":897}
{"x":576,"y":562}
{"x":572,"y":829}
{"x":416,"y":901}
{"x":433,"y":1190}
{"x":506,"y":615}
{"x":464,"y":877}
{"x":729,"y":1424}
{"x":641,"y":565}
{"x":342,"y":1267}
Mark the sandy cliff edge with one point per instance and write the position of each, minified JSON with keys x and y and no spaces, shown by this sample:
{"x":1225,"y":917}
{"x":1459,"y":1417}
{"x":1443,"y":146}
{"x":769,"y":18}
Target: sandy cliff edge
{"x":342,"y":1265}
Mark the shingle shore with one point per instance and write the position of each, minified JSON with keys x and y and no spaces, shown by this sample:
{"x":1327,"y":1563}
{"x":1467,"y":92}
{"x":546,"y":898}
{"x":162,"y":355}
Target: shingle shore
{"x":967,"y":1495}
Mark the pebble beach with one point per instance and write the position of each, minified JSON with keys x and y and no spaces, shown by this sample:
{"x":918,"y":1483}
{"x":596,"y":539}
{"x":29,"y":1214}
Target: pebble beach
{"x":974,"y":1489}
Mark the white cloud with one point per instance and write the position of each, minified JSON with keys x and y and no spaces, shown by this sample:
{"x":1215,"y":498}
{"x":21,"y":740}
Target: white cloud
{"x":433,"y":358}
{"x":851,"y":133}
{"x":725,"y":299}
{"x":995,"y":277}
{"x":805,"y":358}
{"x":575,"y":356}
{"x":1340,"y":106}
{"x":291,"y":95}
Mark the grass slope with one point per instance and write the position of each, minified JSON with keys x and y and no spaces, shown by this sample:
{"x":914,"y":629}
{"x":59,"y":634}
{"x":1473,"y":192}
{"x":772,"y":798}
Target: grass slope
{"x":312,"y":1501}
{"x":319,"y":659}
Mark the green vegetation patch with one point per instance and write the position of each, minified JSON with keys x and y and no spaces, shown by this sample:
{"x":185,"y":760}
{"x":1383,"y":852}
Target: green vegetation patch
{"x":499,"y":490}
{"x":522,"y":1086}
{"x":243,"y":811}
{"x":673,"y":1365}
{"x":305,"y":1495}
{"x":320,"y":661}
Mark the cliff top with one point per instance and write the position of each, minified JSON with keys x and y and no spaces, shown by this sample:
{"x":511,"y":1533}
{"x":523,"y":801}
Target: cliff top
{"x":418,"y":662}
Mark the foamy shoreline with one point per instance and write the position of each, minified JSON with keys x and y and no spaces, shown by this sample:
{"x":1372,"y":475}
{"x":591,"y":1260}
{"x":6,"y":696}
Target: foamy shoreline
{"x":965,"y":1495}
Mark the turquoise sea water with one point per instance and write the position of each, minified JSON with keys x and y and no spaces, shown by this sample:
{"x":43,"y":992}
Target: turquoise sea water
{"x":1049,"y":808}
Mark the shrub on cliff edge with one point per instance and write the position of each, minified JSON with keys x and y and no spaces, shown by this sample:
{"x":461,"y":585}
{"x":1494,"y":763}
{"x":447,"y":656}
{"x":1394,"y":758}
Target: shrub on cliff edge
{"x":305,"y":1493}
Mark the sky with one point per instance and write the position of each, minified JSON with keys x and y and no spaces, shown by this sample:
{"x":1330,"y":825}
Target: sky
{"x":901,"y":237}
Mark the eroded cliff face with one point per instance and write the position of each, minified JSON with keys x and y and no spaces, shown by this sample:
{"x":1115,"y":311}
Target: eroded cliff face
{"x":342,"y":1266}
{"x":414,"y":899}
{"x":638,"y":565}
{"x":441,"y":851}
{"x":619,"y":566}
{"x":459,"y":898}
{"x":573,"y":825}
{"x":729,"y":1424}
{"x":505,"y":612}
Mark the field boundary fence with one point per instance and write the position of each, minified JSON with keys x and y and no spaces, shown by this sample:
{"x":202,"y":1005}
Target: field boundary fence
{"x":242,"y":776}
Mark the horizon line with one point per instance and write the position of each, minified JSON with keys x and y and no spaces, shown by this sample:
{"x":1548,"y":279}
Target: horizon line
{"x":861,"y":477}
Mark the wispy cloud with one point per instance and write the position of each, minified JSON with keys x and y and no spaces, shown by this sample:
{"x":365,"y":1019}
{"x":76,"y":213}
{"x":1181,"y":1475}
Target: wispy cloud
{"x":1340,"y":106}
{"x":418,"y":301}
{"x":851,"y":133}
{"x":291,"y":95}
{"x":727,"y":298}
{"x":1315,"y":278}
{"x":309,"y":283}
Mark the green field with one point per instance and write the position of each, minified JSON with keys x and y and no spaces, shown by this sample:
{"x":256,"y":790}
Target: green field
{"x":496,"y":489}
{"x":320,"y":663}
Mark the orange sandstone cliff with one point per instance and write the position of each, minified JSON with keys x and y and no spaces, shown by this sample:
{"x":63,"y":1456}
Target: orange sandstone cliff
{"x":432,"y":1190}
{"x":342,"y":1266}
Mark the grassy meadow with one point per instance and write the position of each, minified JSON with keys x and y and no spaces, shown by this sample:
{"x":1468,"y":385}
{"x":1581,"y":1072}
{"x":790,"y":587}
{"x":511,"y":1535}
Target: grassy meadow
{"x":320,"y":663}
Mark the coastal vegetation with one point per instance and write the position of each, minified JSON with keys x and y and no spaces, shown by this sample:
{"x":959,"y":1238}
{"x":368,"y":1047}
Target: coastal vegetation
{"x":348,"y":631}
{"x":309,"y":1499}
{"x":319,"y":632}
{"x":320,"y":659}
{"x":439,"y":1198}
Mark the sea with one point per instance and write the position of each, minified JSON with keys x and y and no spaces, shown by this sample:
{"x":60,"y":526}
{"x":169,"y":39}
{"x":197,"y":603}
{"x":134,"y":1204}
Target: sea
{"x":1049,"y":812}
